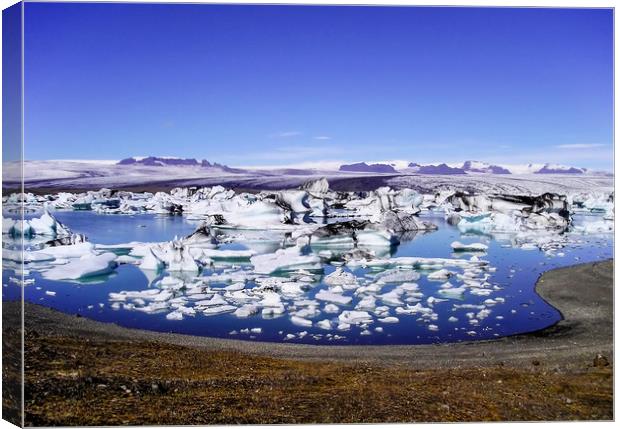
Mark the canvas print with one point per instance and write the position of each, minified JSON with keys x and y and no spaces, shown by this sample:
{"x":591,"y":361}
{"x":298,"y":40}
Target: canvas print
{"x":240,"y":214}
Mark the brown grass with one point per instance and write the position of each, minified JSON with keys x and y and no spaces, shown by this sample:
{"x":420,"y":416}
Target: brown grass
{"x":80,"y":382}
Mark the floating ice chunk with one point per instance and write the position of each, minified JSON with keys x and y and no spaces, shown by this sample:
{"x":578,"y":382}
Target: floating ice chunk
{"x":174,"y":255}
{"x":235,"y":287}
{"x":218,"y":309}
{"x":215,"y":300}
{"x":353,"y":317}
{"x":453,"y":319}
{"x":471,"y":247}
{"x":397,"y":275}
{"x":367,"y":303}
{"x":50,"y":293}
{"x":331,"y":308}
{"x":326,"y":254}
{"x":271,"y":299}
{"x":45,"y":225}
{"x":284,"y":260}
{"x":273,"y":311}
{"x":21,"y":282}
{"x":296,"y":200}
{"x":293,"y":289}
{"x":170,"y":282}
{"x":595,"y":227}
{"x":256,"y":330}
{"x":228,"y":254}
{"x":393,"y":297}
{"x":79,"y":268}
{"x":481,"y":292}
{"x":26,"y":257}
{"x":151,"y":262}
{"x":325,"y":295}
{"x":433,"y":327}
{"x":124,"y":295}
{"x":341,"y":278}
{"x":399,"y":222}
{"x":439,"y":275}
{"x":431,"y":300}
{"x":452,"y":292}
{"x":483,"y":314}
{"x":389,"y":319}
{"x":256,"y":214}
{"x":175,"y":315}
{"x":308,"y":312}
{"x":246,"y":310}
{"x":324,"y":324}
{"x":162,"y":296}
{"x":68,"y":251}
{"x":126,"y":259}
{"x":300,"y":321}
{"x":414,"y":309}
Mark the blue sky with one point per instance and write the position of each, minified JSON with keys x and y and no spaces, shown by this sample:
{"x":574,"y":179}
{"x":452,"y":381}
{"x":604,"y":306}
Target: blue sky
{"x":276,"y":85}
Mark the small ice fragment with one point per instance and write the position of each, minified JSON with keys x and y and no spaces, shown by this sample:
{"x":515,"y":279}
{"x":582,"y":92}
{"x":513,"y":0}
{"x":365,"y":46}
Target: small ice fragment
{"x":471,"y":247}
{"x":300,"y":321}
{"x":389,"y":319}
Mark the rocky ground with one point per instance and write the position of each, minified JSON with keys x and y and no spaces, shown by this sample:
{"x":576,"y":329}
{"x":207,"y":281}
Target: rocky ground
{"x":80,"y":372}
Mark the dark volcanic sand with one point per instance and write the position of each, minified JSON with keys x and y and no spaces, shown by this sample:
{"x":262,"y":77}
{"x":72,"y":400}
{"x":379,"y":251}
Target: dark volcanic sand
{"x":84,"y":372}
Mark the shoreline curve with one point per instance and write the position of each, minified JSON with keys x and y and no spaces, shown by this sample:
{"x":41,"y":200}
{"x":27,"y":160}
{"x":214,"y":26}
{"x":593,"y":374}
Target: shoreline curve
{"x":583,"y":294}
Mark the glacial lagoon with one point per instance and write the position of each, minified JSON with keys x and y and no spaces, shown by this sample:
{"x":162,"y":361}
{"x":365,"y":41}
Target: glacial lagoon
{"x":508,"y":306}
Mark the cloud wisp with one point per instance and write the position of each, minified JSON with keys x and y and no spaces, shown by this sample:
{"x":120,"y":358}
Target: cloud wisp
{"x":579,"y":146}
{"x":285,"y":134}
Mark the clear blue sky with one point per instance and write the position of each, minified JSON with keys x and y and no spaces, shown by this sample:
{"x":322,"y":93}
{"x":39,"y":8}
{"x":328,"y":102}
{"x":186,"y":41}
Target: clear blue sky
{"x":273,"y":85}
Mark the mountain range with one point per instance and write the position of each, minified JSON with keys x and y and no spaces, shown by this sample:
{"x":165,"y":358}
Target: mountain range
{"x":383,"y":167}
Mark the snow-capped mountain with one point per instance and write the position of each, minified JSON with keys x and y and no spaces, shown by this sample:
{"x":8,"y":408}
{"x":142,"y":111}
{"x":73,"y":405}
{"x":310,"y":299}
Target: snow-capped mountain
{"x":435,"y":169}
{"x":362,"y":167}
{"x":467,"y":167}
{"x":559,"y":169}
{"x":169,"y":161}
{"x":484,"y":167}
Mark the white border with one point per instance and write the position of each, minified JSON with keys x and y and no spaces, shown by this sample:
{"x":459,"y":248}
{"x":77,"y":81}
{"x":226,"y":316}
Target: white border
{"x":476,"y":3}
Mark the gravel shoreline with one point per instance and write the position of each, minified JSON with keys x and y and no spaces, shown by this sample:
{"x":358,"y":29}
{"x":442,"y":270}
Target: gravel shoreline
{"x":582,"y":293}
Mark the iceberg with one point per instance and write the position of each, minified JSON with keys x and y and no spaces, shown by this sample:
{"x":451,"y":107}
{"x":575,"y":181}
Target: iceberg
{"x":284,"y":260}
{"x":325,"y":295}
{"x":471,"y":247}
{"x":354,"y":317}
{"x":79,"y":268}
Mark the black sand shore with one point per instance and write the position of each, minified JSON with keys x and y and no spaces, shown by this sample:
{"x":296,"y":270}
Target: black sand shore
{"x":79,"y":371}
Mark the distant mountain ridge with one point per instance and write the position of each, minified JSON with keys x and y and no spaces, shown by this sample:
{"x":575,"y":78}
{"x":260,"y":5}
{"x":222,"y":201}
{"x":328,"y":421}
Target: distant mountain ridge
{"x":468,"y":167}
{"x":483,"y":167}
{"x":379,"y":167}
{"x":435,"y":169}
{"x":362,"y":167}
{"x":160,"y":161}
{"x":559,"y":169}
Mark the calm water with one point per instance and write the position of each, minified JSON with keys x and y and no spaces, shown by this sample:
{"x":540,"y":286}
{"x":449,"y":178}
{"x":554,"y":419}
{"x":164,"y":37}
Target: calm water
{"x":516,"y":273}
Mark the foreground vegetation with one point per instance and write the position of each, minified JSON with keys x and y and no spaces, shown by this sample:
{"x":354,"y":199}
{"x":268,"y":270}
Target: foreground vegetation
{"x":76,"y":381}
